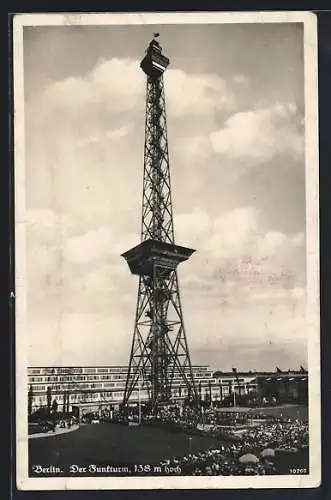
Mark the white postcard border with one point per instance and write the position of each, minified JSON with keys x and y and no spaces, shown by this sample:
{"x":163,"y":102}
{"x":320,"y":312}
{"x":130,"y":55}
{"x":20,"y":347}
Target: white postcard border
{"x":312,"y":240}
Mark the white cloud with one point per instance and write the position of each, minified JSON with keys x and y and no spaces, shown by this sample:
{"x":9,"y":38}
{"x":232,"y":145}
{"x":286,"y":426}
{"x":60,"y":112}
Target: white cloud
{"x":190,"y":94}
{"x":234,"y":246}
{"x":277,"y":294}
{"x":96,"y":244}
{"x":41,"y":217}
{"x":91,"y":246}
{"x":46,"y":233}
{"x":191,"y":227}
{"x":240,"y":80}
{"x":194,"y":282}
{"x":196,"y":147}
{"x":260,"y":134}
{"x":274,"y":240}
{"x":113,"y":135}
{"x":100,"y":180}
{"x":248,"y":137}
{"x":47,"y":225}
{"x":116,"y":83}
{"x":232,"y":234}
{"x":118,"y":133}
{"x":253,"y":335}
{"x":62,"y":338}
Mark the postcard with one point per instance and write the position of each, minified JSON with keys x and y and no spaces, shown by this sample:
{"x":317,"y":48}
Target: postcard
{"x":166,"y":251}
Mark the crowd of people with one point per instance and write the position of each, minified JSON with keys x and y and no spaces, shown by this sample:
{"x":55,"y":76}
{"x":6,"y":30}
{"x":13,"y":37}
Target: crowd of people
{"x":210,"y":418}
{"x":256,"y":452}
{"x":174,"y":415}
{"x":225,"y":418}
{"x":249,"y":443}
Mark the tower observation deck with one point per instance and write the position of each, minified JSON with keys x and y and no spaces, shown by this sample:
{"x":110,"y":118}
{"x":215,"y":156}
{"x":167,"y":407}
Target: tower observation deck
{"x":159,"y":353}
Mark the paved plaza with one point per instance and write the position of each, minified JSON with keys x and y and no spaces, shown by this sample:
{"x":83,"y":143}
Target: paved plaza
{"x":113,"y":444}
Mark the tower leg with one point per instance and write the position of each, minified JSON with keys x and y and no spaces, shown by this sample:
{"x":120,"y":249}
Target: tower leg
{"x":159,"y":357}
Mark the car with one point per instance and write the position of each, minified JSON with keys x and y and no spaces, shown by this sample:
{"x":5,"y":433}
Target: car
{"x":95,"y":421}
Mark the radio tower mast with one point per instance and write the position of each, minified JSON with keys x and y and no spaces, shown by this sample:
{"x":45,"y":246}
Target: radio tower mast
{"x":159,"y":358}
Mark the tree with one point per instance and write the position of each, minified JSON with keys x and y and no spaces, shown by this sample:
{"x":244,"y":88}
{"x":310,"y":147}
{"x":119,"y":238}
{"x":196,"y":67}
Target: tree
{"x":49,"y":399}
{"x":54,"y":407}
{"x":30,"y":400}
{"x":65,"y":403}
{"x":209,"y":393}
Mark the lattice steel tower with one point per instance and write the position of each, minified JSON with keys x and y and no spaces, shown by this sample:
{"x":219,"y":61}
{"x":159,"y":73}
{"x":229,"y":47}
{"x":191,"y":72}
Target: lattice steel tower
{"x":159,"y":352}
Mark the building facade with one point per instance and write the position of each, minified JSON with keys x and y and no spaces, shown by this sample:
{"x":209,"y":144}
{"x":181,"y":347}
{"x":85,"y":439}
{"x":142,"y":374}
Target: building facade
{"x":94,"y":387}
{"x":91,"y":388}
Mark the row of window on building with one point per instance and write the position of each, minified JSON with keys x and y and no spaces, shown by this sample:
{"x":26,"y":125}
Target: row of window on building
{"x":80,"y":378}
{"x":104,"y":385}
{"x":60,"y":370}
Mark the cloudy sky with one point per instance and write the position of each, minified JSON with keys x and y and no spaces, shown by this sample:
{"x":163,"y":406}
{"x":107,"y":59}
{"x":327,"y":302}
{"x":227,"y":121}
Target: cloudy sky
{"x":235,"y":127}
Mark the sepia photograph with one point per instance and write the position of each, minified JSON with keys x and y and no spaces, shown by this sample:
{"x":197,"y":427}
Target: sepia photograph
{"x":167,"y":259}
